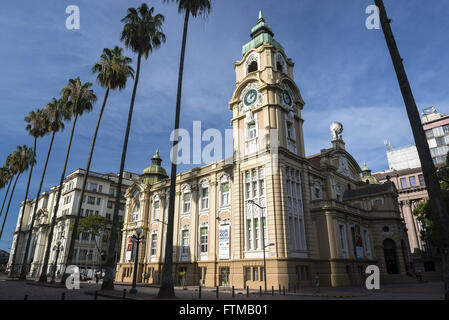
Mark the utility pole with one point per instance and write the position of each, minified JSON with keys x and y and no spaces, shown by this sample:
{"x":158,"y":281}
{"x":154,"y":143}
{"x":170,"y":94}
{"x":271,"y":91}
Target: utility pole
{"x":440,"y":214}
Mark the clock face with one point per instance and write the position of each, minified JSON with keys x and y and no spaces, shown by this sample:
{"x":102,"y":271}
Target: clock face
{"x":250,"y":97}
{"x":286,"y":98}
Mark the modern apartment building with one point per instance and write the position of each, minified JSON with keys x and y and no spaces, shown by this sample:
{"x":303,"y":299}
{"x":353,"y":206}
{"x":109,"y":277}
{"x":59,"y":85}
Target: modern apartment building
{"x":98,"y":200}
{"x":436,"y":127}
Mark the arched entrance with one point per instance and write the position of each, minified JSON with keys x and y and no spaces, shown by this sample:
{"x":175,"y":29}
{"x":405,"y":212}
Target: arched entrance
{"x":390,"y":256}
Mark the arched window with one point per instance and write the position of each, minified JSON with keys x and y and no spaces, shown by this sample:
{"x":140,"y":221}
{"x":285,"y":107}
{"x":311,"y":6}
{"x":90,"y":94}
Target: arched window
{"x":252,"y":63}
{"x":136,"y":209}
{"x":252,"y":67}
{"x":225,"y":199}
{"x":280,"y":63}
{"x":186,"y":199}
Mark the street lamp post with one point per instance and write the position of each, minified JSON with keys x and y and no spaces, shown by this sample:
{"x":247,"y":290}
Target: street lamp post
{"x":136,"y":239}
{"x":263,"y":245}
{"x":58,"y":249}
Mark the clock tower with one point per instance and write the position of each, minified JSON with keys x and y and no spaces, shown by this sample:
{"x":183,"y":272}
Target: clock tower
{"x":266,"y":98}
{"x":268,"y":151}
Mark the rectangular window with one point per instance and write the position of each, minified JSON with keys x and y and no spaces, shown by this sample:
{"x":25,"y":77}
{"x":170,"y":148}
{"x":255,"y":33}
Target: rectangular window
{"x":205,"y":198}
{"x":247,"y":274}
{"x":342,"y":230}
{"x":93,"y":187}
{"x":98,"y":201}
{"x":421,"y":180}
{"x":153,"y":244}
{"x":255,"y":274}
{"x":186,"y":199}
{"x":108,"y":216}
{"x":110,"y":204}
{"x":262,"y":274}
{"x":249,"y":234}
{"x":185,"y":242}
{"x":203,"y":240}
{"x":404,"y":183}
{"x":225,"y":194}
{"x":91,"y":200}
{"x":412,"y":181}
{"x":256,"y":233}
{"x":100,"y":188}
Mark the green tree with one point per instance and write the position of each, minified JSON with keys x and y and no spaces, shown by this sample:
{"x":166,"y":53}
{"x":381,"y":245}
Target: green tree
{"x":141,"y":33}
{"x":194,"y":8}
{"x":18,"y":162}
{"x":56,"y":112}
{"x":5,"y":179}
{"x":78,"y":99}
{"x":37,"y":127}
{"x":113,"y":71}
{"x":423,"y":211}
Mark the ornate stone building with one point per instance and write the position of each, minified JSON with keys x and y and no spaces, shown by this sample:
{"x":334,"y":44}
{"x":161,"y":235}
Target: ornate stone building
{"x":311,"y":214}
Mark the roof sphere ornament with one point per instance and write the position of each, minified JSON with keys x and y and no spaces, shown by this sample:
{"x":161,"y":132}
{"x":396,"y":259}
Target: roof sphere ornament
{"x":336,"y":130}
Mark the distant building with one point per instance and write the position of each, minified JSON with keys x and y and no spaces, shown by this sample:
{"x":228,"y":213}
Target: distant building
{"x":406,"y":173}
{"x":99,"y":200}
{"x":403,"y":158}
{"x":436,"y":126}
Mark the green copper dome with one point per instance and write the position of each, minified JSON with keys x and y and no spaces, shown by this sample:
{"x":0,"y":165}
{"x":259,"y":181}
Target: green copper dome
{"x":367,"y":177}
{"x":155,"y":171}
{"x":261,"y":33}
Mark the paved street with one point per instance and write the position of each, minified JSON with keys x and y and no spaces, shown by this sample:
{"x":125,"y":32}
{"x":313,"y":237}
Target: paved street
{"x":16,"y":290}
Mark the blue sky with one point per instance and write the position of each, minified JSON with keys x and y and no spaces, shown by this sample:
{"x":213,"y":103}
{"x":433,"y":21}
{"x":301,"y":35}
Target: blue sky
{"x":343,"y":70}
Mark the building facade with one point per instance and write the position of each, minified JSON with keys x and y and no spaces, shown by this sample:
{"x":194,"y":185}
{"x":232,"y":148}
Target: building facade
{"x":99,"y":200}
{"x":409,"y":181}
{"x":436,"y":127}
{"x":313,"y":214}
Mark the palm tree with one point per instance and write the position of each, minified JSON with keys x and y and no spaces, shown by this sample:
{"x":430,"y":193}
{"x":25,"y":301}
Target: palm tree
{"x":19,"y":162}
{"x":436,"y":199}
{"x":55,"y":113}
{"x":5,"y":177}
{"x":37,"y":128}
{"x":113,"y":71}
{"x":79,"y":99}
{"x":141,"y":33}
{"x":194,"y":8}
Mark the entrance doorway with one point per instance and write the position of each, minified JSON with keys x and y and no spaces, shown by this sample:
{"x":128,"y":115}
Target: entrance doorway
{"x":390,"y":256}
{"x":224,"y":276}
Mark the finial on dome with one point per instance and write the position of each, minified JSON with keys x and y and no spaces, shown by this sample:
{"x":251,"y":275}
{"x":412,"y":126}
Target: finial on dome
{"x":260,"y":15}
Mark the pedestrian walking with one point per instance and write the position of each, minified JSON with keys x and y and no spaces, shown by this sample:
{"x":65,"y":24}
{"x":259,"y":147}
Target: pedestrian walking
{"x":317,"y":282}
{"x":97,"y":277}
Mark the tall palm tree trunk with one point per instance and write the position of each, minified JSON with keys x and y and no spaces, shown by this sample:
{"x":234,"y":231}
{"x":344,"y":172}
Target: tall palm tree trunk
{"x":43,"y":276}
{"x":9,"y":203}
{"x":80,"y":203}
{"x":439,"y":210}
{"x":108,"y":281}
{"x":167,"y":289}
{"x":6,"y":196}
{"x":19,"y":232}
{"x":23,"y":271}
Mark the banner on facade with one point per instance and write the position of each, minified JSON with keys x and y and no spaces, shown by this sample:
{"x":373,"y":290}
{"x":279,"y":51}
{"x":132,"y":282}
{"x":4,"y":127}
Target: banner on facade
{"x":129,"y":248}
{"x":224,"y":241}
